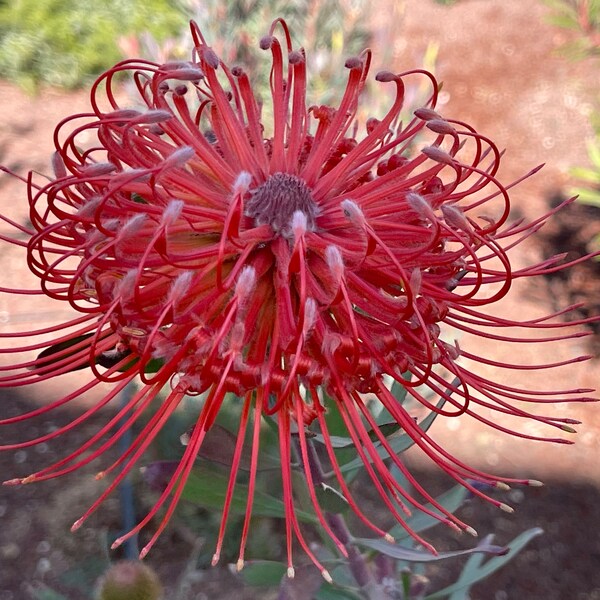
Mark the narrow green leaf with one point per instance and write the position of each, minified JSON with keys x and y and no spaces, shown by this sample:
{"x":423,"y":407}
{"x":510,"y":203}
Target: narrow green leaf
{"x":333,"y":592}
{"x":330,"y":500}
{"x":398,"y":391}
{"x":398,"y":444}
{"x":46,"y":357}
{"x":469,"y":570}
{"x":489,"y":567}
{"x":593,"y":148}
{"x":420,"y":521}
{"x":584,"y":174}
{"x":137,"y":198}
{"x":403,"y":553}
{"x":207,"y":487}
{"x":45,"y":593}
{"x":263,"y":573}
{"x":588,"y":196}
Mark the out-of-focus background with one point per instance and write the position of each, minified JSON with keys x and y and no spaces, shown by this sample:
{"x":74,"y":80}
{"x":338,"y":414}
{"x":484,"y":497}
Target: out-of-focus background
{"x":526,"y":74}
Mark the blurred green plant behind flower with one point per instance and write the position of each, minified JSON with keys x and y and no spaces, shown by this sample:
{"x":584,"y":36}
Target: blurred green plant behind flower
{"x":65,"y":43}
{"x":582,"y":16}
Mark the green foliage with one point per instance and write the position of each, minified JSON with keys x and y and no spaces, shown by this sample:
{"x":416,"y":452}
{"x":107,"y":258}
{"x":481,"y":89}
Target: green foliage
{"x":588,"y":189}
{"x":588,"y":179}
{"x":330,"y":31}
{"x":476,"y":569}
{"x":64,"y":43}
{"x":582,"y":16}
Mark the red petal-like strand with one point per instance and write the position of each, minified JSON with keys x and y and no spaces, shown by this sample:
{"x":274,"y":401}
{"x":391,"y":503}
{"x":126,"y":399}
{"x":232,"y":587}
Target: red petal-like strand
{"x":299,"y":271}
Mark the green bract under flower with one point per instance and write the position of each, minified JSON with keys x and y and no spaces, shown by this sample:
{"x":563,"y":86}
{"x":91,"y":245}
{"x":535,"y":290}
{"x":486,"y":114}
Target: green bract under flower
{"x":305,"y":269}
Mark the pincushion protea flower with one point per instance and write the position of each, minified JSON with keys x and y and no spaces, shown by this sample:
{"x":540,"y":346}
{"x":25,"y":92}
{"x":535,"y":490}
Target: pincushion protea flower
{"x":298,"y":264}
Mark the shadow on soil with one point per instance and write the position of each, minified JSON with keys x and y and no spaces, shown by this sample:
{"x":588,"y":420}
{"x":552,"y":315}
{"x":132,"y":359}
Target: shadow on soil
{"x":36,"y":546}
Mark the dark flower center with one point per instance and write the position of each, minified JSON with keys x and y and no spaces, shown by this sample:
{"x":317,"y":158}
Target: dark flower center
{"x":277,"y":199}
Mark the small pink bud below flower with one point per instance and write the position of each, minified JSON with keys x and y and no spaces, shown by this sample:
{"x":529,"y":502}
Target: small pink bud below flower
{"x":129,"y":580}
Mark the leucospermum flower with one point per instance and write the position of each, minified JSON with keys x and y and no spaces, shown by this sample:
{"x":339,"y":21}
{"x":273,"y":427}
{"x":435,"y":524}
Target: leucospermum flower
{"x":297,"y":265}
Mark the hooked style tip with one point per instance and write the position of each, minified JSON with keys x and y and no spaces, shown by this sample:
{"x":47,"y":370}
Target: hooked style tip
{"x":16,"y":481}
{"x":76,"y":525}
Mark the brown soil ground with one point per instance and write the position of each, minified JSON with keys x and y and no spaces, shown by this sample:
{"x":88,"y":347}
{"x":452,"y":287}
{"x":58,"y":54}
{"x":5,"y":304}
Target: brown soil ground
{"x":502,"y":73}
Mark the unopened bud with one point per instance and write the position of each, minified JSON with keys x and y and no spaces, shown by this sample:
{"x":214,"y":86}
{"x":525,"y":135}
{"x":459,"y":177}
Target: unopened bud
{"x":129,"y":580}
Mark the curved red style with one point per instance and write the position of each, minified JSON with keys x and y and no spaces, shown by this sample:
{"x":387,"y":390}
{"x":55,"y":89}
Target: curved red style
{"x":295,"y":263}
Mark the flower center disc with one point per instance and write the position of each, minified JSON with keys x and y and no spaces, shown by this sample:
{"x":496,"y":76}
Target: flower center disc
{"x":277,"y":199}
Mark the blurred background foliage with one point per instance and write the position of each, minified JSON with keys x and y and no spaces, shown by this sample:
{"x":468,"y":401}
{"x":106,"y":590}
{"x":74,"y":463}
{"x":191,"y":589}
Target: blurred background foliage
{"x":64,"y":43}
{"x":582,"y":16}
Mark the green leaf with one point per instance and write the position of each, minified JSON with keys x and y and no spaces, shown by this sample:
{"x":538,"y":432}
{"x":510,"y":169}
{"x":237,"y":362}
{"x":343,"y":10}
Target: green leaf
{"x":207,"y":487}
{"x":330,"y":591}
{"x":420,"y":521}
{"x":588,"y":196}
{"x":584,"y":174}
{"x":408,"y":554}
{"x":139,"y":199}
{"x":46,"y":357}
{"x":478,"y":572}
{"x":263,"y":573}
{"x":398,"y":444}
{"x":106,"y":359}
{"x":593,"y":149}
{"x":45,"y":593}
{"x":330,"y":500}
{"x":399,"y":391}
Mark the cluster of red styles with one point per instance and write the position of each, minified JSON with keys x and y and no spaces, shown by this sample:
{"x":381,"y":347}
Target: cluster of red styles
{"x":298,"y":264}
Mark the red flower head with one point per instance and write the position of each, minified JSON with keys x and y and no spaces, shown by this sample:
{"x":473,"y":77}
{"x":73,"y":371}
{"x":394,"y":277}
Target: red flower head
{"x":300,"y":264}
